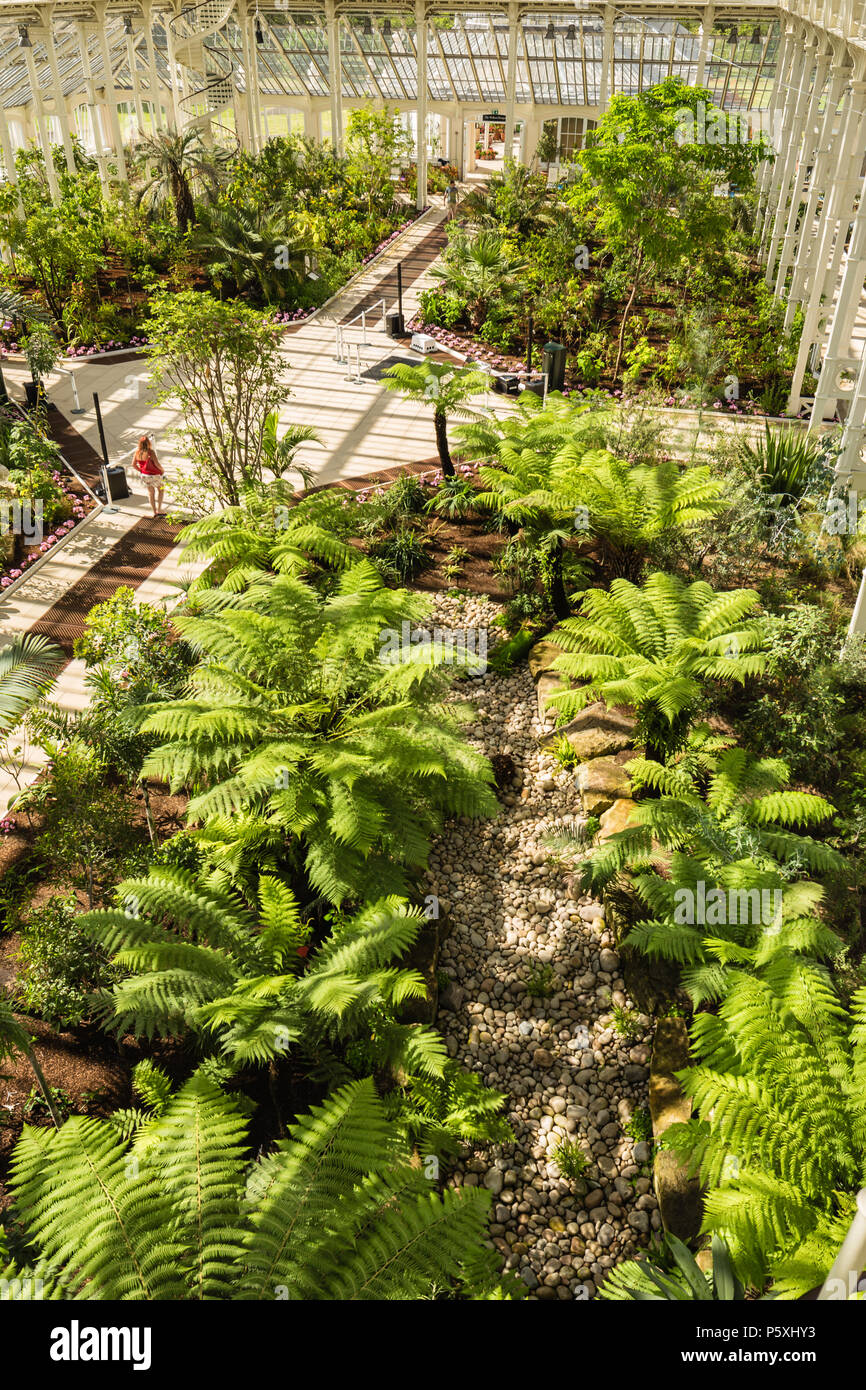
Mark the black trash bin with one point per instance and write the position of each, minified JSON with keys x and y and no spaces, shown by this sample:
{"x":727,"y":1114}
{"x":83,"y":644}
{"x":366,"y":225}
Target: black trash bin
{"x":553,"y":363}
{"x":396,"y":326}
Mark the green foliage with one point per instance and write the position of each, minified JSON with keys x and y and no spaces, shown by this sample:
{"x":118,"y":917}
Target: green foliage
{"x":61,"y":966}
{"x":27,"y":669}
{"x":220,"y":365}
{"x":778,"y":1133}
{"x":302,"y":716}
{"x":657,"y":647}
{"x":571,"y":1161}
{"x":679,"y":1279}
{"x":405,"y":552}
{"x":86,"y":823}
{"x":203,"y":960}
{"x":541,"y":982}
{"x":177,"y":1213}
{"x":479,"y":270}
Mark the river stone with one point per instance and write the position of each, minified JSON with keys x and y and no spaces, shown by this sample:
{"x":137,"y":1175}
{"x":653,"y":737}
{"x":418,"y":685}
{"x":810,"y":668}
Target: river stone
{"x":600,"y":730}
{"x":542,"y":656}
{"x":542,"y":1058}
{"x":602,"y":782}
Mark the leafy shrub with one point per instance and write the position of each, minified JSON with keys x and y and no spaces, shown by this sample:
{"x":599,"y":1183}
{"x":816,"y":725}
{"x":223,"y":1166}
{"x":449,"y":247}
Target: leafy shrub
{"x":405,"y":551}
{"x":62,"y":965}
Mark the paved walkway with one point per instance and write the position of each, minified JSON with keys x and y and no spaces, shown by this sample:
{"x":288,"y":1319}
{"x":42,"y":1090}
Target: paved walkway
{"x":364,"y":431}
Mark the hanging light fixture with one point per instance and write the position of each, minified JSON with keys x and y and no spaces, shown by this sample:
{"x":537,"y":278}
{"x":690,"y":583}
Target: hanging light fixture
{"x":386,"y":29}
{"x":550,"y":32}
{"x":24,"y":36}
{"x":756,"y":36}
{"x":368,"y":27}
{"x":571,"y":34}
{"x":127,"y":24}
{"x":734,"y":35}
{"x":260,"y":36}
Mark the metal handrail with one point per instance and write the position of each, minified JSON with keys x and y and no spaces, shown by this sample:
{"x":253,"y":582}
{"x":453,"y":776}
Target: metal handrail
{"x":363,"y":317}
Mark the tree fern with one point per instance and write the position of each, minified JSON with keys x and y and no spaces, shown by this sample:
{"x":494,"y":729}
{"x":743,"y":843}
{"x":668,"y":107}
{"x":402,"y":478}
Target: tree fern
{"x":336,"y":1211}
{"x":779,"y":1134}
{"x":656,"y":647}
{"x":299,"y":718}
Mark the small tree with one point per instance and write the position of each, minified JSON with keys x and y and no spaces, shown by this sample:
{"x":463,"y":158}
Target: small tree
{"x":446,"y":389}
{"x":376,"y":144}
{"x":221,"y":363}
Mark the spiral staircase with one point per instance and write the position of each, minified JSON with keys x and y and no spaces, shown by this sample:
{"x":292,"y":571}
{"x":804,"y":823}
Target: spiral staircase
{"x":207,"y":69}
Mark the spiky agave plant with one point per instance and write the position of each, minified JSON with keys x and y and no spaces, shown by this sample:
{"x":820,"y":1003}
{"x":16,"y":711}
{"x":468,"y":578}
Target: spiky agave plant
{"x":176,"y":1211}
{"x":311,"y":714}
{"x":679,"y":1279}
{"x":657,"y":646}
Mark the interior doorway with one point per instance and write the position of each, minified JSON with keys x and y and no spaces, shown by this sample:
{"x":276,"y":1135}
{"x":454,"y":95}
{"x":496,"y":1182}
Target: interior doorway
{"x":484,"y":144}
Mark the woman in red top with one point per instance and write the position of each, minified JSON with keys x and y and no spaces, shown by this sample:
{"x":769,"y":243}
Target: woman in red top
{"x":147,"y":464}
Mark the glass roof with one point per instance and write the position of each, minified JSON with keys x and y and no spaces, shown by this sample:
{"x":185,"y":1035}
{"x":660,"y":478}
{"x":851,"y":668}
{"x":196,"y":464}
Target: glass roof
{"x":559,"y":57}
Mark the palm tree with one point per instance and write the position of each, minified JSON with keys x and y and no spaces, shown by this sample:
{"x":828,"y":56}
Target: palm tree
{"x":15,"y":306}
{"x":517,"y":198}
{"x":655,"y":647}
{"x":175,"y":167}
{"x":28,"y":666}
{"x":479,"y":270}
{"x":257,"y":248}
{"x":446,"y":388}
{"x":278,"y":455}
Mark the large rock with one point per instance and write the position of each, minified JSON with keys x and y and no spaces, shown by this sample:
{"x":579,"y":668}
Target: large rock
{"x":617,"y":817}
{"x":542,"y":656}
{"x":546,"y":686}
{"x":679,"y":1196}
{"x":600,"y":730}
{"x":602,"y":781}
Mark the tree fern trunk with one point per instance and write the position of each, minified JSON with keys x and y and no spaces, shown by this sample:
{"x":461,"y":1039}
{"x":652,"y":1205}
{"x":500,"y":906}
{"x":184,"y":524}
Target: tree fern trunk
{"x":440,"y":424}
{"x":44,"y":1087}
{"x":558,"y":596}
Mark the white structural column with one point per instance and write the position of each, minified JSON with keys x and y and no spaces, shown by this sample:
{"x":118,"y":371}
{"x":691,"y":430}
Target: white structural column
{"x":776,"y":105}
{"x":110,"y":94}
{"x":41,"y":120}
{"x":810,"y":234}
{"x":708,"y":19}
{"x":808,"y":148}
{"x":606,"y":57}
{"x":792,"y":135}
{"x":335,"y":74}
{"x":152,"y":74}
{"x":828,"y":262}
{"x":9,"y":157}
{"x":173,"y":73}
{"x":250,"y":108}
{"x":132,"y":60}
{"x":255,"y":86}
{"x":421,"y":48}
{"x":92,"y":105}
{"x":59,"y":99}
{"x":788,"y":92}
{"x":511,"y":75}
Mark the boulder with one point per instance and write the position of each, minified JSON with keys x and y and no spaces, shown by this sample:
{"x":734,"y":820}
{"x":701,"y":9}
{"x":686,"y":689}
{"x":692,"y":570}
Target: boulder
{"x":617,"y":817}
{"x":602,"y":781}
{"x":600,"y":730}
{"x":679,"y":1196}
{"x":542,"y":656}
{"x":546,"y":686}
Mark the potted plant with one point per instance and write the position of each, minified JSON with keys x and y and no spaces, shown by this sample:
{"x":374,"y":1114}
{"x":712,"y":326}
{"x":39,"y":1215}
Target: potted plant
{"x":41,"y":350}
